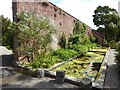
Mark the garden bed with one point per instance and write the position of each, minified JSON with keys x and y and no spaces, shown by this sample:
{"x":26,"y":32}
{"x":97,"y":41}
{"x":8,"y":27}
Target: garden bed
{"x":86,"y":66}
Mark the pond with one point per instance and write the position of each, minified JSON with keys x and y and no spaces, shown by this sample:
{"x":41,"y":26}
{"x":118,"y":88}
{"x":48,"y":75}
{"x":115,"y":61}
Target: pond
{"x":86,"y":66}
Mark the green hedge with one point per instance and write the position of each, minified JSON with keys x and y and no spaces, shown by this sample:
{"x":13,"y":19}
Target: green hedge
{"x":118,"y":56}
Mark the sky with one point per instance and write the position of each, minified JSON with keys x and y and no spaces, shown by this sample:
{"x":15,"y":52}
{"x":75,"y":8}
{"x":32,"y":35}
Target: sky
{"x":81,"y":9}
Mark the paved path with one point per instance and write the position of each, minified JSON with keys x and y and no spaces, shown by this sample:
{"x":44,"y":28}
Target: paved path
{"x":111,"y":79}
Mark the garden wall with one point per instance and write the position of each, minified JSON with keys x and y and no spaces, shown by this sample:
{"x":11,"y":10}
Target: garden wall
{"x":98,"y":36}
{"x":62,"y":21}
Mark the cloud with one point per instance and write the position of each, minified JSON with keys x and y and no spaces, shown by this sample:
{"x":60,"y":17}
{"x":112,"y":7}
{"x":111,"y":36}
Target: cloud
{"x":84,"y":9}
{"x":81,"y":9}
{"x":6,"y":8}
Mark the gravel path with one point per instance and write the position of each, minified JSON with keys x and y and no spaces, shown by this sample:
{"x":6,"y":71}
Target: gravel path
{"x":11,"y":79}
{"x":22,"y":81}
{"x":111,"y":79}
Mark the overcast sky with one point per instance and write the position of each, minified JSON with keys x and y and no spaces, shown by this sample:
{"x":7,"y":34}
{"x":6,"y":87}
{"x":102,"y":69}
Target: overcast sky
{"x":81,"y":9}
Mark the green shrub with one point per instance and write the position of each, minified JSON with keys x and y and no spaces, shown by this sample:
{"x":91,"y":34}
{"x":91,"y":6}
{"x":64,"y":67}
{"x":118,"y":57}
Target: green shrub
{"x":82,"y":48}
{"x":118,"y":55}
{"x":79,"y":48}
{"x":64,"y":54}
{"x":8,"y":30}
{"x":43,"y":61}
{"x":62,"y":41}
{"x":113,"y":44}
{"x":74,"y":39}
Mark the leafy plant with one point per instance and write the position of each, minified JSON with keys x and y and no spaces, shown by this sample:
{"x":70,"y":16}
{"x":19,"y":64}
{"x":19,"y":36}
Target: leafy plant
{"x":76,"y":29}
{"x":62,"y":41}
{"x":64,"y":54}
{"x":43,"y":61}
{"x":74,"y":39}
{"x":118,"y":55}
{"x":34,"y":34}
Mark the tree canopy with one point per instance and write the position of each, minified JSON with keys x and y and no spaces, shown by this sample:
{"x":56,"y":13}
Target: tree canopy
{"x":7,"y":28}
{"x":34,"y":34}
{"x":107,"y":20}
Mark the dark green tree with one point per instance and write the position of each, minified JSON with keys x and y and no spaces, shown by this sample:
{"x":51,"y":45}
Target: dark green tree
{"x":106,"y":19}
{"x":102,"y":16}
{"x":8,"y":30}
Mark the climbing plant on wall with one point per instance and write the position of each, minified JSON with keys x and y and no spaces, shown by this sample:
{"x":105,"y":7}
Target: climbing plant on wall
{"x":62,"y":41}
{"x":76,"y":29}
{"x":78,"y":33}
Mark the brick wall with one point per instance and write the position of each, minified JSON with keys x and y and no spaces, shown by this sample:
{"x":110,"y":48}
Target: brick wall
{"x":98,"y":36}
{"x":62,"y":21}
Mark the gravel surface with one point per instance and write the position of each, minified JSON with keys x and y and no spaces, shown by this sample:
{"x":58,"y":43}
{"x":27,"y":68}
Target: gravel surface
{"x":22,"y":81}
{"x":112,"y":79}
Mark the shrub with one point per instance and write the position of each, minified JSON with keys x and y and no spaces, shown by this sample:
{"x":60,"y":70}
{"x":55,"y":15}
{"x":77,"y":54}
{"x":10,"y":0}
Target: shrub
{"x":64,"y":54}
{"x":74,"y":39}
{"x":82,"y":48}
{"x":118,"y":55}
{"x":62,"y":41}
{"x":113,"y":44}
{"x":43,"y":61}
{"x":93,"y":39}
{"x":79,"y":48}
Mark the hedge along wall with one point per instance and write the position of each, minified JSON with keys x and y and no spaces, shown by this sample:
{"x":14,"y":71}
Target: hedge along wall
{"x":62,"y":21}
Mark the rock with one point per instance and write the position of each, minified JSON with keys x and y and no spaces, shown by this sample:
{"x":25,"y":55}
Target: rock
{"x":6,"y":72}
{"x":60,"y":76}
{"x":41,"y":73}
{"x":86,"y":83}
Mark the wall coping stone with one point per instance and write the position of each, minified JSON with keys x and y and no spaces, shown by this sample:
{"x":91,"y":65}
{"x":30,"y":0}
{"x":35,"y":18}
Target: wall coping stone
{"x":100,"y":81}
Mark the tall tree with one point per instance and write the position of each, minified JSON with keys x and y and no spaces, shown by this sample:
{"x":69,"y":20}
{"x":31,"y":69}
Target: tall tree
{"x":106,"y":19}
{"x":102,"y":16}
{"x":7,"y":28}
{"x":34,"y":34}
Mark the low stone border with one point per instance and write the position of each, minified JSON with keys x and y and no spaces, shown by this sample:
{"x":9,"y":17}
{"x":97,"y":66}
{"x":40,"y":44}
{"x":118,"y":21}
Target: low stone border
{"x":82,"y":83}
{"x":71,"y":80}
{"x":25,"y":70}
{"x":101,"y":74}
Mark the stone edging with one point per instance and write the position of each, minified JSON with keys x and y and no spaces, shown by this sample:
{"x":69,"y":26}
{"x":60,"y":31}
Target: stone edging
{"x":71,"y":80}
{"x":101,"y":74}
{"x":59,"y":64}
